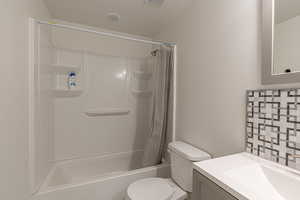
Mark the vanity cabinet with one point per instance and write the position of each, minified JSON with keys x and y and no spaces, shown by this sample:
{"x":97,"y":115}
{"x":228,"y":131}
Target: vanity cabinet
{"x":205,"y":189}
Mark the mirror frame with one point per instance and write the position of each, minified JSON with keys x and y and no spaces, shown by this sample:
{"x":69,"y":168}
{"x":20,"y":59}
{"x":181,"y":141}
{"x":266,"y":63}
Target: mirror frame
{"x":268,"y":13}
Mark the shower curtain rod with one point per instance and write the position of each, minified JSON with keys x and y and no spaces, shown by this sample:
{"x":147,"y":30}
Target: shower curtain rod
{"x":104,"y":33}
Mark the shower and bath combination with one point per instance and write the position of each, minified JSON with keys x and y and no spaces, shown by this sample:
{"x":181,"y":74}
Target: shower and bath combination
{"x":113,"y":126}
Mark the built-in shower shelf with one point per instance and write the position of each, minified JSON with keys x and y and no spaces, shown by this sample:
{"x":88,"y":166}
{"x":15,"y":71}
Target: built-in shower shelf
{"x":63,"y":69}
{"x":142,"y":75}
{"x":107,"y":112}
{"x":141,"y":93}
{"x":67,"y":93}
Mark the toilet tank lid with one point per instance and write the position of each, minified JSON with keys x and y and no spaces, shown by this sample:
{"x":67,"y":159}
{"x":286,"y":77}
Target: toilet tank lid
{"x":188,"y":152}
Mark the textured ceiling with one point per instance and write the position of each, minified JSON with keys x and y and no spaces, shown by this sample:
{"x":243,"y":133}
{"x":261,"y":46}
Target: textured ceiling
{"x":136,"y":16}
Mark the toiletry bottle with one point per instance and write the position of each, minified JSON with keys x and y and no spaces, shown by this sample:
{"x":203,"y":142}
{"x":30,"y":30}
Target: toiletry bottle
{"x":72,"y":81}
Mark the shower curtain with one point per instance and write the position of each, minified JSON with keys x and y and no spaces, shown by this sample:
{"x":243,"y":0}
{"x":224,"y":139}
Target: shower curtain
{"x":162,"y":112}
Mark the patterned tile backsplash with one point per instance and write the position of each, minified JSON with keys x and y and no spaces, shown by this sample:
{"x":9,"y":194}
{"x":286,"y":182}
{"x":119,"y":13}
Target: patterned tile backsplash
{"x":273,"y":125}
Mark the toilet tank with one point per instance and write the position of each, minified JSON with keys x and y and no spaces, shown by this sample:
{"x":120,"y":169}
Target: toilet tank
{"x":182,"y":157}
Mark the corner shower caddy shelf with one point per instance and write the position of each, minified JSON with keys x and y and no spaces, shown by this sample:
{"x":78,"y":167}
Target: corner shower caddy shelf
{"x":63,"y":69}
{"x":67,"y":93}
{"x":107,"y":112}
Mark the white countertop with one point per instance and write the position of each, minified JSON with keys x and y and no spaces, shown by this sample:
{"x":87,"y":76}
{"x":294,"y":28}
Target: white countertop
{"x":248,"y":177}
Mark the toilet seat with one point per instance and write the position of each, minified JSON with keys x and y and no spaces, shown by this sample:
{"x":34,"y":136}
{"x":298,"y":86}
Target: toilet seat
{"x":150,"y":189}
{"x":155,"y":189}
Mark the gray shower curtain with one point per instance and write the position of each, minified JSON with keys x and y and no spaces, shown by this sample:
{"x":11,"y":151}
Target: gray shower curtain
{"x":162,"y":112}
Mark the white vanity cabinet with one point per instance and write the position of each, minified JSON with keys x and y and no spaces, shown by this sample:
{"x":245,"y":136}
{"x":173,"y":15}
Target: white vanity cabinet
{"x":205,"y":189}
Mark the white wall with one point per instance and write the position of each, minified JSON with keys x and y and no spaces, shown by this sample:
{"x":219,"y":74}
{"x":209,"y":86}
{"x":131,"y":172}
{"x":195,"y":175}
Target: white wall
{"x":218,"y":59}
{"x":14,"y":95}
{"x":287,"y":45}
{"x":106,"y":78}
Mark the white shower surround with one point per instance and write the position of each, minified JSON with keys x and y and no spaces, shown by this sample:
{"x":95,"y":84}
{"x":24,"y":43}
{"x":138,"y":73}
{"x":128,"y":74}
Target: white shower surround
{"x":101,"y":60}
{"x":88,"y":172}
{"x":120,"y":119}
{"x":41,"y":105}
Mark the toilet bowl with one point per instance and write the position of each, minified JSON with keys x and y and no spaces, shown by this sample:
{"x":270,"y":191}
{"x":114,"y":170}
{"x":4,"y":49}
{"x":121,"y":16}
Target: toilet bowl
{"x":182,"y":157}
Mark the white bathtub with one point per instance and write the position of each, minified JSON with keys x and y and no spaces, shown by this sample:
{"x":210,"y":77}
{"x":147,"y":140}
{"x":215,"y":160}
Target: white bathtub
{"x":98,"y":178}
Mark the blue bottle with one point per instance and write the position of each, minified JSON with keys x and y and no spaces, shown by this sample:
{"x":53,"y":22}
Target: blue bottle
{"x":72,"y":81}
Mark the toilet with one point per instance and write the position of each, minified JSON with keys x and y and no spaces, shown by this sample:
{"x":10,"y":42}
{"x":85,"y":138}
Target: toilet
{"x":179,"y":186}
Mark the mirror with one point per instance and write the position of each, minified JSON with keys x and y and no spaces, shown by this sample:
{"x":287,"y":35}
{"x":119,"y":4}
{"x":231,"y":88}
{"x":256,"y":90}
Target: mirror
{"x":281,"y":41}
{"x":286,"y":37}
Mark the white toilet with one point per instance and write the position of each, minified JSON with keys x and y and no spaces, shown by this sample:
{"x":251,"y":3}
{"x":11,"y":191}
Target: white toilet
{"x":182,"y":157}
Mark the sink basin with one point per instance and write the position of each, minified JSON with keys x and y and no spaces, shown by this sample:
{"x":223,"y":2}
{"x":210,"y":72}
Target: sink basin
{"x":266,"y":182}
{"x":249,"y":177}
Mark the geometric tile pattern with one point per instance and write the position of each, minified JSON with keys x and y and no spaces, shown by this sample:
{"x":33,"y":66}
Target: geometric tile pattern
{"x":273,"y":125}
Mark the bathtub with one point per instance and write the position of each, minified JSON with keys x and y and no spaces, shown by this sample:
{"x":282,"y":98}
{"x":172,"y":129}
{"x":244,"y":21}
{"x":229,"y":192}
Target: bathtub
{"x":97,"y":178}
